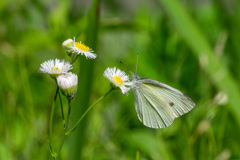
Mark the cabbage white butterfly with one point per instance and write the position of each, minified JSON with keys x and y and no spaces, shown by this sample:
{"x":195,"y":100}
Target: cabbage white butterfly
{"x":157,"y":104}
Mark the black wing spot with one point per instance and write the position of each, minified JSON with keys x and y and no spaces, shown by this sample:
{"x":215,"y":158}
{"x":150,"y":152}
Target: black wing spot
{"x":171,"y":104}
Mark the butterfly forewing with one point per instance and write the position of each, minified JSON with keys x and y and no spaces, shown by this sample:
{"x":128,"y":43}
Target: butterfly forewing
{"x":158,"y":104}
{"x":149,"y":111}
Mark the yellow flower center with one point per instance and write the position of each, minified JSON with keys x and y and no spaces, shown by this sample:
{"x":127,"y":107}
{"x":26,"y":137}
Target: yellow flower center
{"x":118,"y":80}
{"x":56,"y":69}
{"x":82,"y":46}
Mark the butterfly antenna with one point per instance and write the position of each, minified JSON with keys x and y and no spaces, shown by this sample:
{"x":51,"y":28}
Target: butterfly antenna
{"x":137,"y":61}
{"x":125,"y":66}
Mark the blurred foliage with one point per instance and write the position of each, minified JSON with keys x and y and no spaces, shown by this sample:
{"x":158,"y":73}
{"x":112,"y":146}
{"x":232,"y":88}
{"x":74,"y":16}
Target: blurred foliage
{"x":171,"y":37}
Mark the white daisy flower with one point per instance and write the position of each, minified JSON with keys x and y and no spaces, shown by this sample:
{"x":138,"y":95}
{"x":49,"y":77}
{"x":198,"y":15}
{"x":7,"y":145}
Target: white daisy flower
{"x":68,"y":83}
{"x":82,"y":49}
{"x":118,"y":78}
{"x":55,"y":67}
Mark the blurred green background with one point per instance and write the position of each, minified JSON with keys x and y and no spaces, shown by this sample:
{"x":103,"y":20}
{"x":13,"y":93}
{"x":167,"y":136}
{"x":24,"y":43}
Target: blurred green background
{"x":192,"y":45}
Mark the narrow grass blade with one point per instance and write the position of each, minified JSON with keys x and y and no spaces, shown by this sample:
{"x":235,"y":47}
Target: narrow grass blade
{"x":218,"y":73}
{"x":85,"y":78}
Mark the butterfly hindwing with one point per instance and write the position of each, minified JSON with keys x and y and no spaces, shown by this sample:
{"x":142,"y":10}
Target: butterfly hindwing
{"x":158,"y":104}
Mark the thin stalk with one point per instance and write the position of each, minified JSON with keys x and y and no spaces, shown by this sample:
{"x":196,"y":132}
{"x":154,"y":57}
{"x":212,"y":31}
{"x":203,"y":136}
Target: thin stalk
{"x":51,"y":122}
{"x":75,"y":126}
{"x":69,"y":112}
{"x":63,"y":118}
{"x":67,"y":121}
{"x":64,"y":135}
{"x":74,"y":59}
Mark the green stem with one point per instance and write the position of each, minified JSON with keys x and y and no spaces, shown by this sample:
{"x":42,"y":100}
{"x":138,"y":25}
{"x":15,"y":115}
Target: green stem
{"x":67,"y":121}
{"x":69,"y":112}
{"x":64,"y":135}
{"x":137,"y":155}
{"x":51,"y":121}
{"x":63,"y":118}
{"x":75,"y":126}
{"x":60,"y":145}
{"x":74,"y":59}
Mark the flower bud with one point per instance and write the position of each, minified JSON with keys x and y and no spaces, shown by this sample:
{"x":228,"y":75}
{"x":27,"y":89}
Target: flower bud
{"x":68,"y":44}
{"x":68,"y":84}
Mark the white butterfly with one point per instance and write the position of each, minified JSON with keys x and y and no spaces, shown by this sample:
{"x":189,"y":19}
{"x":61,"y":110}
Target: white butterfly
{"x":158,"y":104}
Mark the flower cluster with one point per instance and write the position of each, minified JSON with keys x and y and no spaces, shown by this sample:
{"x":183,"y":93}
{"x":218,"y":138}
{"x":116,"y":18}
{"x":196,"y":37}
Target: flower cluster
{"x":67,"y":81}
{"x":58,"y":69}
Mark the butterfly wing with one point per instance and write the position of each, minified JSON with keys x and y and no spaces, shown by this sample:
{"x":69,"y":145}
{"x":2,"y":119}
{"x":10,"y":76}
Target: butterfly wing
{"x":158,"y":104}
